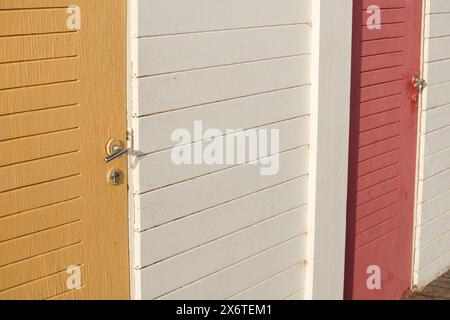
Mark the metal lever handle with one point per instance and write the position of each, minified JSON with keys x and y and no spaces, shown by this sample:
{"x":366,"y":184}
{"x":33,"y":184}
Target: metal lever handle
{"x":419,"y":83}
{"x":416,"y":87}
{"x":118,"y":153}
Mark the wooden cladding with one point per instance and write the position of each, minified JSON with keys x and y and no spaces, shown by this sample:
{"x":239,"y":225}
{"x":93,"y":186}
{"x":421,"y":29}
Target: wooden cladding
{"x":53,"y":186}
{"x":40,"y":160}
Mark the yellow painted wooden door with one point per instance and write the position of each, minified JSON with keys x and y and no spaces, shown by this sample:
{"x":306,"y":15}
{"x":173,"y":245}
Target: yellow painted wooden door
{"x":63,"y":226}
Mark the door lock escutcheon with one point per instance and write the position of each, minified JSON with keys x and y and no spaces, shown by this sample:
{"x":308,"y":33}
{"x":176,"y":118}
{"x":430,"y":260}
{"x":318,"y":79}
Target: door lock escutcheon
{"x":115,"y":149}
{"x":115,"y":177}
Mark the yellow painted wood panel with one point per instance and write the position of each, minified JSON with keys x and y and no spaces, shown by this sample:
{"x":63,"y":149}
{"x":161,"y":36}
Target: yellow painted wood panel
{"x":40,"y":97}
{"x":70,"y":295}
{"x":40,"y":146}
{"x":38,"y":267}
{"x":40,"y":289}
{"x":36,"y":122}
{"x":38,"y":171}
{"x":104,"y":22}
{"x":40,"y":195}
{"x":45,"y":46}
{"x":22,"y":74}
{"x":21,"y":4}
{"x":36,"y":220}
{"x":33,"y":21}
{"x":39,"y":243}
{"x":62,"y":97}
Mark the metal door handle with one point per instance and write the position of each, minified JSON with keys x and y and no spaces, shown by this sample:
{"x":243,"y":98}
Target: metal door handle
{"x":417,"y":85}
{"x":118,"y":153}
{"x":419,"y":82}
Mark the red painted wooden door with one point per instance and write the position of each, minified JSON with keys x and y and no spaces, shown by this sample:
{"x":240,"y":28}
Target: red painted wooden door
{"x":383,"y":142}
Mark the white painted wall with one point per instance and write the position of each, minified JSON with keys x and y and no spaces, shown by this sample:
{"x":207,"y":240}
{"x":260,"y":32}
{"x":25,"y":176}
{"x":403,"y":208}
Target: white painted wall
{"x":220,"y":232}
{"x":433,"y":207}
{"x":330,"y":121}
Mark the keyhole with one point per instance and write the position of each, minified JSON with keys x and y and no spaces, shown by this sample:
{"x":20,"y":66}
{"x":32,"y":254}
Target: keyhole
{"x":115,"y":177}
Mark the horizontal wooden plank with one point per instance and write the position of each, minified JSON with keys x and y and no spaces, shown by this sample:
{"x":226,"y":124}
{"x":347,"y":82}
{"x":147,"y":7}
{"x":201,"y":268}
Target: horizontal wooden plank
{"x":40,"y":219}
{"x":45,"y":46}
{"x":433,"y":270}
{"x":385,"y":4}
{"x":384,"y":104}
{"x":41,"y":195}
{"x":40,"y":266}
{"x":388,"y":31}
{"x":438,"y":72}
{"x":394,"y":15}
{"x":278,"y":287}
{"x":186,"y":89}
{"x":378,"y":204}
{"x":172,"y":239}
{"x":382,"y":46}
{"x":435,"y":207}
{"x":380,"y":119}
{"x":382,"y":61}
{"x":39,"y":243}
{"x":372,"y":78}
{"x":23,"y":4}
{"x":40,"y":289}
{"x":378,"y":176}
{"x":437,"y":25}
{"x":373,"y":164}
{"x":156,"y":208}
{"x":435,"y":229}
{"x":181,"y":270}
{"x":158,"y":169}
{"x":38,"y":171}
{"x":435,"y":185}
{"x":436,"y":118}
{"x":243,"y":113}
{"x":379,"y":149}
{"x":436,"y":141}
{"x":378,"y":190}
{"x":39,"y":122}
{"x":437,"y":95}
{"x":72,"y":295}
{"x":158,"y":17}
{"x":37,"y":147}
{"x":437,"y":49}
{"x":23,"y":74}
{"x":438,"y":6}
{"x":33,"y":21}
{"x":299,"y":296}
{"x":436,"y":163}
{"x":230,"y":281}
{"x":380,"y":134}
{"x":38,"y":98}
{"x":372,"y":221}
{"x":433,"y":251}
{"x":377,"y":232}
{"x":167,"y":54}
{"x":381,"y":91}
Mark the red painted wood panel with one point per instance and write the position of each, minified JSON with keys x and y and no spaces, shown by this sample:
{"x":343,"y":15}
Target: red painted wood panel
{"x":383,"y":142}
